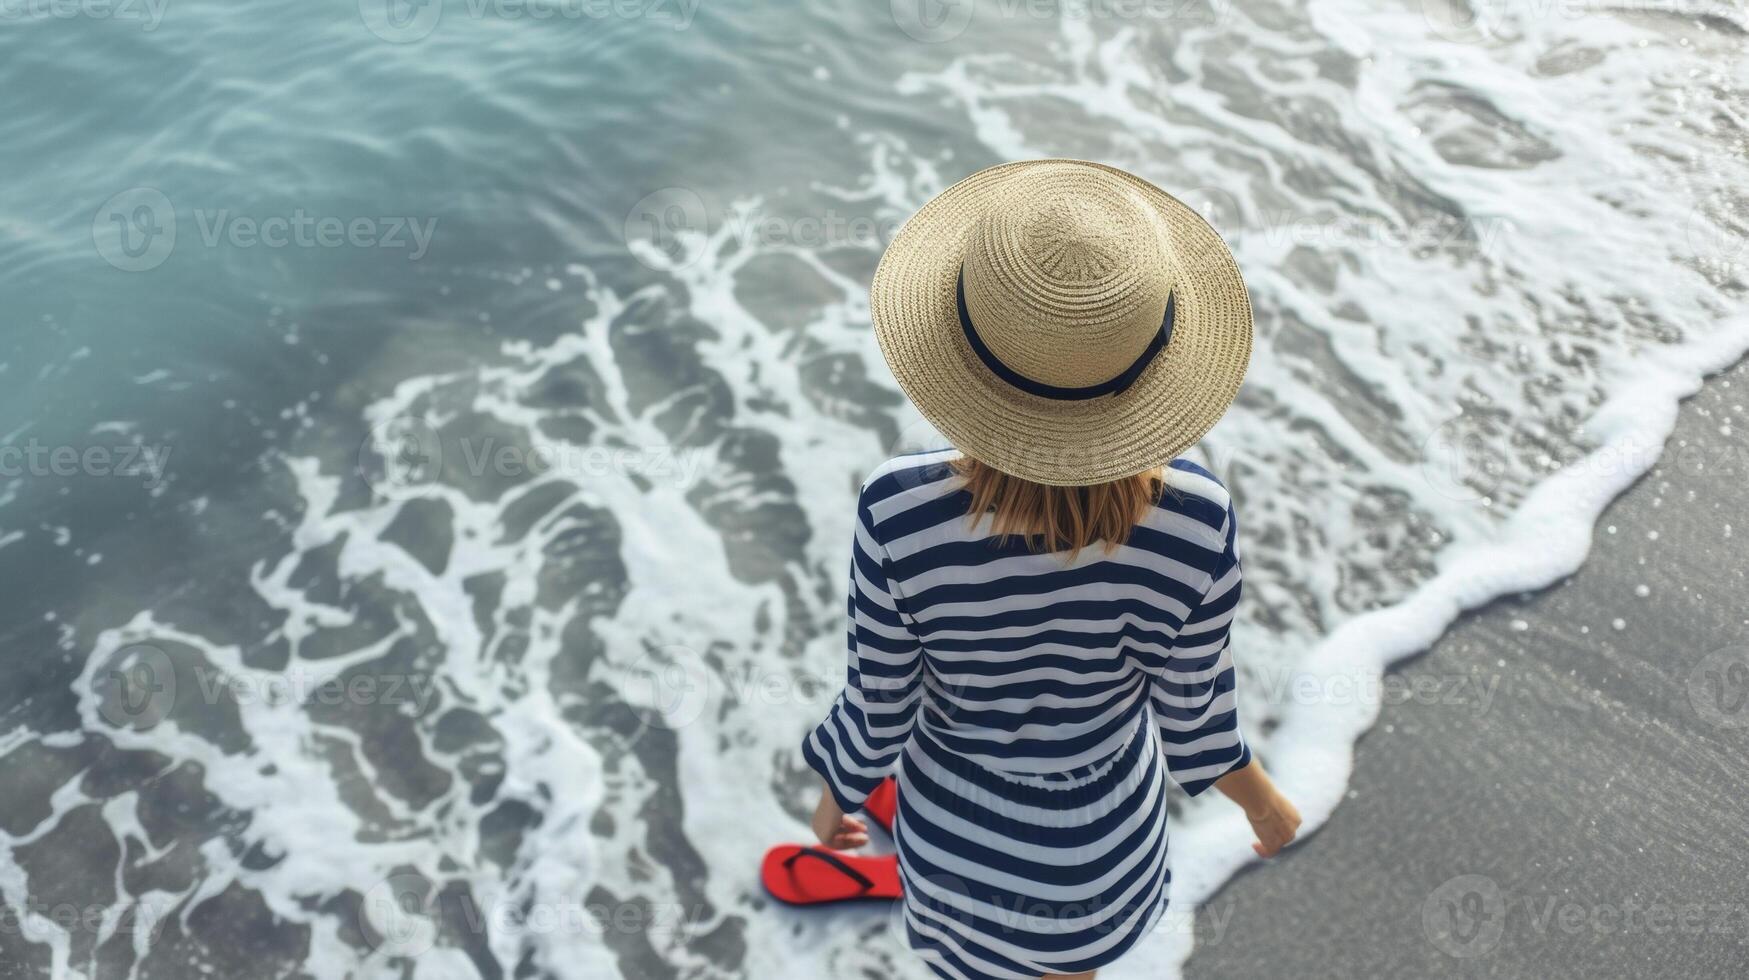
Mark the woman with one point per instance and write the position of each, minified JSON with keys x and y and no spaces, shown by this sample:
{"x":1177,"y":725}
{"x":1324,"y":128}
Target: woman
{"x":1038,"y":618}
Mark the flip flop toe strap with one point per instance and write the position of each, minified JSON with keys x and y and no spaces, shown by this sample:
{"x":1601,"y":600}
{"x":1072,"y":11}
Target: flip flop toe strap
{"x":833,"y":860}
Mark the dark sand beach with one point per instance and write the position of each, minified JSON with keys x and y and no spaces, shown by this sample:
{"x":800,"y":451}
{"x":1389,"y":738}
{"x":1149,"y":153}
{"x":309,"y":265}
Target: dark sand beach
{"x":1585,"y":819}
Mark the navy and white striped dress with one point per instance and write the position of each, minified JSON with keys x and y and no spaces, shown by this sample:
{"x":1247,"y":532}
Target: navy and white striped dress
{"x":1032,"y":709}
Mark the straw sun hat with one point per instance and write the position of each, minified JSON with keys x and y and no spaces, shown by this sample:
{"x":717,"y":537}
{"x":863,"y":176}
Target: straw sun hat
{"x":1062,"y":321}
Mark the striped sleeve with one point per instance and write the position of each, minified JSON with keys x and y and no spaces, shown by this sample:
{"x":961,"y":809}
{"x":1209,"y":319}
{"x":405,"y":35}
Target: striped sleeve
{"x":860,"y":740}
{"x":1195,"y":699}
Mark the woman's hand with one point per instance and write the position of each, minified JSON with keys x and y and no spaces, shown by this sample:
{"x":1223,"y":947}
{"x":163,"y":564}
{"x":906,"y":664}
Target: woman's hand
{"x":834,"y":828}
{"x":1275,"y":822}
{"x":1274,"y":818}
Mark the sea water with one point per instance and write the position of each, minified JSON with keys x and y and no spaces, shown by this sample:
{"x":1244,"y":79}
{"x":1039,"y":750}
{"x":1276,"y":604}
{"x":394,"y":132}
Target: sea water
{"x":430,"y":429}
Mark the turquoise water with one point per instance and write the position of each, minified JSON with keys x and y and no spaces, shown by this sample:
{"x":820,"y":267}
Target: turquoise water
{"x":428,"y":428}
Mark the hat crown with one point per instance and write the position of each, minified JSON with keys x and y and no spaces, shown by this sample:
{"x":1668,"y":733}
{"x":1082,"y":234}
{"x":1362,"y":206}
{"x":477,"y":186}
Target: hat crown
{"x":1067,"y":283}
{"x":1072,"y":240}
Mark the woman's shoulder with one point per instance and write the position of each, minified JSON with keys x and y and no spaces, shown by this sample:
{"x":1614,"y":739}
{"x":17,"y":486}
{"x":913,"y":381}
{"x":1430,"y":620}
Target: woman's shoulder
{"x":1194,"y":491}
{"x":910,"y":491}
{"x":924,"y":471}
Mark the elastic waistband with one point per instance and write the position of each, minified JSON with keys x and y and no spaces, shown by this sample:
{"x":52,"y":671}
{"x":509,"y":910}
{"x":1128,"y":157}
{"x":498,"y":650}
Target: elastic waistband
{"x":1122,"y":759}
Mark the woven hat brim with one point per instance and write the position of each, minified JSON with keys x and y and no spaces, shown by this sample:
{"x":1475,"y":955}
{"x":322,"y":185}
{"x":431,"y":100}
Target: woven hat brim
{"x":1168,"y":409}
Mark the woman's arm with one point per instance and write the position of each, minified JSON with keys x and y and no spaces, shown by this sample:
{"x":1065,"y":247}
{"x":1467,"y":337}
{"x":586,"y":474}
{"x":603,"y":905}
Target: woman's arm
{"x":859,"y":743}
{"x":1195,"y":700}
{"x":1194,"y":690}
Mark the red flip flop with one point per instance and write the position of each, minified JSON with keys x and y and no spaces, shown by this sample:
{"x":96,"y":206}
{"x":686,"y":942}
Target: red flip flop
{"x":883,"y":803}
{"x":802,"y":875}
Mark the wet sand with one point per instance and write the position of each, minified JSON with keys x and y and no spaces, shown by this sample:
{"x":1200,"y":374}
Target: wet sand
{"x":1590,"y":818}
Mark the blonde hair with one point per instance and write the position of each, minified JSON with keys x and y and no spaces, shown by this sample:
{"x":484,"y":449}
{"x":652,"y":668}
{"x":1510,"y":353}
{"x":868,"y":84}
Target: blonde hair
{"x":1053,"y":518}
